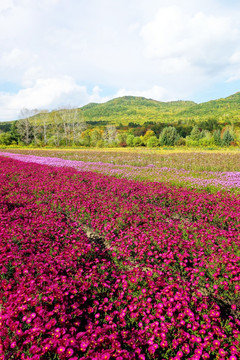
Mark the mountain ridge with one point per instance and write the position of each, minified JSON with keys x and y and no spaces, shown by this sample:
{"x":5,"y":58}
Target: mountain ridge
{"x":134,"y":109}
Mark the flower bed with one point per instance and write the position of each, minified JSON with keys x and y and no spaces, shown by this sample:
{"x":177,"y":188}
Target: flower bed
{"x":159,"y":279}
{"x":213,"y":180}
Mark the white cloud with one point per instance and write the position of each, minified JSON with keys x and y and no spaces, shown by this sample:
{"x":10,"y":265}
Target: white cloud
{"x":156,"y":93}
{"x":185,"y":39}
{"x":31,"y":74}
{"x":162,"y":49}
{"x":234,"y":72}
{"x":235,"y":58}
{"x":47,"y":93}
{"x":35,"y":3}
{"x":16,"y":58}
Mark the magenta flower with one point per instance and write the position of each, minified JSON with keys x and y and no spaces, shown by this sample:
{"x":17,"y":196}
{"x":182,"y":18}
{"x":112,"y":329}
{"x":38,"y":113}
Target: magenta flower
{"x":216,"y":343}
{"x":222,"y":352}
{"x":63,"y":292}
{"x":83,"y":345}
{"x":164,"y":344}
{"x":105,"y":356}
{"x":69,"y":352}
{"x":205,"y":355}
{"x":60,"y":349}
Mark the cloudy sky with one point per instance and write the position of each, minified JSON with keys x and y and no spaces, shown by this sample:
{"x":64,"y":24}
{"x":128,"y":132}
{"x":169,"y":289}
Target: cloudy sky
{"x":58,"y":53}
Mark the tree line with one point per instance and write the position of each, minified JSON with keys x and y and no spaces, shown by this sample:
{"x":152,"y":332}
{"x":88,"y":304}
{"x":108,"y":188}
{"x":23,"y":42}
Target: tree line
{"x":68,"y":128}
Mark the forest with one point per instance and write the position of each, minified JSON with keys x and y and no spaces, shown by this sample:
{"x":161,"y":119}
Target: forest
{"x":128,"y":121}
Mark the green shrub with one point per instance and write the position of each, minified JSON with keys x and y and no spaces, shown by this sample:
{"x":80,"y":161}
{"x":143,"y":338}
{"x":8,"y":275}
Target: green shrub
{"x":180,"y":142}
{"x":217,"y":138}
{"x":137,"y":141}
{"x":191,"y":143}
{"x":129,"y":140}
{"x":148,"y":135}
{"x":100,"y":143}
{"x":195,"y":134}
{"x":227,"y":138}
{"x":5,"y":139}
{"x":206,"y":141}
{"x":152,"y":142}
{"x":169,"y":136}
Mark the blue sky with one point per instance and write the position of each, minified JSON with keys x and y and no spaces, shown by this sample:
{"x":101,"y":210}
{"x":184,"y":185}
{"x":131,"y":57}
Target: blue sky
{"x":67,"y":53}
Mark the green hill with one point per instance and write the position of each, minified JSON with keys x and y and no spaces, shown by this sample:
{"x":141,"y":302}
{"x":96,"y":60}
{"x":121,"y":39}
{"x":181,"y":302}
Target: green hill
{"x":132,"y":109}
{"x":138,"y":110}
{"x":222,"y":109}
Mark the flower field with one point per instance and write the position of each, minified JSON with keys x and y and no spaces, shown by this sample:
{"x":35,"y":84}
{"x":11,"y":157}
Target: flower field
{"x":196,"y":169}
{"x":98,"y":267}
{"x":195,"y":160}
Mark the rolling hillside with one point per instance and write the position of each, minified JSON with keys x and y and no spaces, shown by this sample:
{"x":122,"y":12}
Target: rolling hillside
{"x":139,"y":110}
{"x":134,"y":109}
{"x":222,"y":109}
{"x":131,"y":109}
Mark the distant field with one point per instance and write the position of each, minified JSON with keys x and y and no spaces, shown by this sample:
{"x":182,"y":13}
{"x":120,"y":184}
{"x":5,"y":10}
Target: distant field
{"x":209,"y":169}
{"x":206,"y":160}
